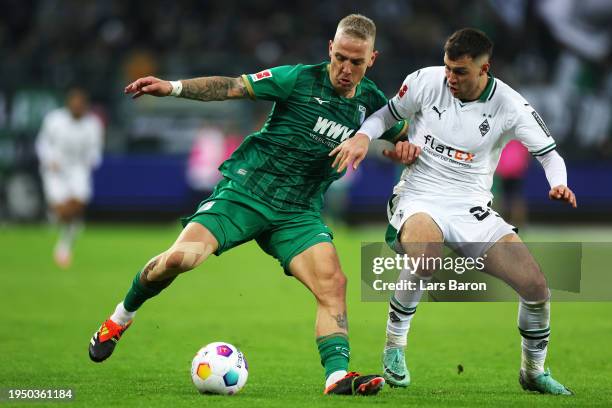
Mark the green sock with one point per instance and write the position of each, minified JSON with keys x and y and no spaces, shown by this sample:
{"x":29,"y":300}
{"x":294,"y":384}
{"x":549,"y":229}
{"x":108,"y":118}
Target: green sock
{"x":139,"y":293}
{"x":334,"y":350}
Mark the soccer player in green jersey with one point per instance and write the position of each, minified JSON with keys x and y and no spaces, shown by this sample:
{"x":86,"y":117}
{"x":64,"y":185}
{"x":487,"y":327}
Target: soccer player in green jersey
{"x":273,"y":187}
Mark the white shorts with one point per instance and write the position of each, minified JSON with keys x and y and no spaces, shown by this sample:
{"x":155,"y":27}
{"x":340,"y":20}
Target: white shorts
{"x":61,"y":186}
{"x":469,"y":226}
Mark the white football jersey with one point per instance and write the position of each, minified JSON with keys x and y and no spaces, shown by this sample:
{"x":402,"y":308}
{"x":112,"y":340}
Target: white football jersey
{"x":68,"y":142}
{"x":461,"y":142}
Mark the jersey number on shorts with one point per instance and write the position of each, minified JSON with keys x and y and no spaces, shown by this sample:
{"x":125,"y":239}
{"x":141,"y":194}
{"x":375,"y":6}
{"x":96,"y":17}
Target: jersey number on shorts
{"x":480,"y":213}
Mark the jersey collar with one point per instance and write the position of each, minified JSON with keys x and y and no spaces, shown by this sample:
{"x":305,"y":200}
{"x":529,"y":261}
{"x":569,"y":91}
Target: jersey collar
{"x":489,"y":90}
{"x":486,"y":94}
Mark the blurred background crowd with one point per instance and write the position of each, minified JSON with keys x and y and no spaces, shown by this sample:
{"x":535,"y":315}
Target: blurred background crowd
{"x":161,"y":156}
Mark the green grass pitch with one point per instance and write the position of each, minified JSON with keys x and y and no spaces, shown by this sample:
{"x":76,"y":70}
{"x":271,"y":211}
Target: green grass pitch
{"x":47,"y":316}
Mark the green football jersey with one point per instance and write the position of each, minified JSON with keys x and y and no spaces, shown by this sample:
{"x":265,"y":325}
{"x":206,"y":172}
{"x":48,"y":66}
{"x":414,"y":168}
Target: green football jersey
{"x":286,"y":163}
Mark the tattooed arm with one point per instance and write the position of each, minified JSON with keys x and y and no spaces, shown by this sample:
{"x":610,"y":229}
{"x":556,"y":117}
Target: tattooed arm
{"x":213,"y":88}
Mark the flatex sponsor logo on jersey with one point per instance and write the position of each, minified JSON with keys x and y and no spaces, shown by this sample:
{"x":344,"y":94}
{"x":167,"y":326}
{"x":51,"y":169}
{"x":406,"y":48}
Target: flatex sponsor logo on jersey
{"x":447,"y":153}
{"x":331,"y":131}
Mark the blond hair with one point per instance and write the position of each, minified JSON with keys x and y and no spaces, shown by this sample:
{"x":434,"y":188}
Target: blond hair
{"x":357,"y":26}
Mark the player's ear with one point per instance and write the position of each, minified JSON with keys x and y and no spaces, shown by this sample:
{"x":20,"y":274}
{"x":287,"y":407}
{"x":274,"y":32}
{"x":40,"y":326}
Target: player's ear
{"x":331,"y":44}
{"x":484,"y":67}
{"x":372,"y":58}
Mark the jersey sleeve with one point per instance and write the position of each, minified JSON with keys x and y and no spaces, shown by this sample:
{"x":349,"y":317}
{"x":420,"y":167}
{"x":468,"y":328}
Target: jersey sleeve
{"x":398,"y":131}
{"x":273,"y":84}
{"x":531,"y":131}
{"x":407,"y":101}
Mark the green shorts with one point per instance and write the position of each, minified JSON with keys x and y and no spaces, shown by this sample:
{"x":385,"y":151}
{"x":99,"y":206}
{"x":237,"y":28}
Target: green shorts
{"x":234,"y":216}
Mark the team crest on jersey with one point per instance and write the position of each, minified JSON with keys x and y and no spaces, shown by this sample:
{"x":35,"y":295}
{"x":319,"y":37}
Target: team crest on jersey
{"x":362,"y":114}
{"x":261,"y":75}
{"x":403,"y":90}
{"x":484,"y":127}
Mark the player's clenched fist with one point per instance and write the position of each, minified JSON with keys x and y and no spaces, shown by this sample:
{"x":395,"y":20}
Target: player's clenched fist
{"x":149,"y":86}
{"x":563,"y":193}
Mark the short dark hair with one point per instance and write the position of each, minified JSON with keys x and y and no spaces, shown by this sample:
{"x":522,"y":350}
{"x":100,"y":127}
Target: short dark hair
{"x":468,"y":41}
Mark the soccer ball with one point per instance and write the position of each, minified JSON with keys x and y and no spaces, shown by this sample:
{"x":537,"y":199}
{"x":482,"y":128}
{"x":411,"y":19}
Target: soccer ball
{"x":219,"y":368}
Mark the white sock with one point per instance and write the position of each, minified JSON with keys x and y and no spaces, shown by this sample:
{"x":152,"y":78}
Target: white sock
{"x":334,"y":377}
{"x":122,"y":316}
{"x":534,"y":327}
{"x":68,"y":233}
{"x":402,"y":307}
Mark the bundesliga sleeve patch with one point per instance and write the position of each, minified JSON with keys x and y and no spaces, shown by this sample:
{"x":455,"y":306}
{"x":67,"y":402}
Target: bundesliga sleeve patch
{"x":402,"y":91}
{"x":261,"y":75}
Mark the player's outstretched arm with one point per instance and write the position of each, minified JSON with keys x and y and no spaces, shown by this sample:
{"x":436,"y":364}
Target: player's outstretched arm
{"x":214,"y":88}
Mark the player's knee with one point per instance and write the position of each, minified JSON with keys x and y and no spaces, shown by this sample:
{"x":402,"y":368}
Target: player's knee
{"x":540,"y":288}
{"x":428,"y":269}
{"x":341,"y":281}
{"x":184,"y":256}
{"x":175,"y":262}
{"x":535,"y":288}
{"x":179,"y":261}
{"x":331,"y":285}
{"x":61,"y":212}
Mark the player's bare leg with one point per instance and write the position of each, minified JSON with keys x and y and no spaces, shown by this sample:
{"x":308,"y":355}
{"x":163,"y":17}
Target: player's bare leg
{"x":510,"y":260}
{"x":192,"y":247}
{"x":318,"y":268}
{"x":419,"y":236}
{"x":69,"y":215}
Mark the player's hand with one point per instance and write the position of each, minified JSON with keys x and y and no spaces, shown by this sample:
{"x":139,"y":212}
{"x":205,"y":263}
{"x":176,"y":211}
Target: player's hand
{"x":148,"y":86}
{"x":404,"y":152}
{"x":352,"y":150}
{"x":563,"y":193}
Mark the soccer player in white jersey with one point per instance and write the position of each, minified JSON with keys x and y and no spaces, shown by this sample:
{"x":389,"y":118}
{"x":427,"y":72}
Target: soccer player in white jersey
{"x":460,"y":119}
{"x":69,"y":147}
